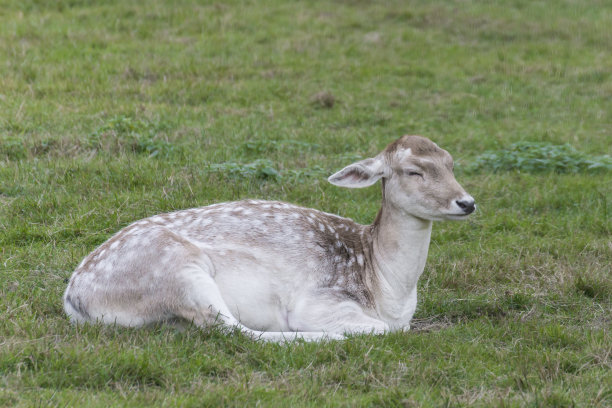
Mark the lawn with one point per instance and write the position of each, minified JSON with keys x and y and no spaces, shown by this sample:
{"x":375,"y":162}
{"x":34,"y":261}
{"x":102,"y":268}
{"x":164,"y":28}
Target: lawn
{"x":111,"y":111}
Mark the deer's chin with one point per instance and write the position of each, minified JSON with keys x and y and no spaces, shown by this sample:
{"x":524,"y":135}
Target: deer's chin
{"x":456,"y":216}
{"x":444,"y":216}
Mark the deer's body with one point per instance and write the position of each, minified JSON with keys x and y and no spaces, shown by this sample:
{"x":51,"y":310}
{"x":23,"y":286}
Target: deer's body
{"x":273,"y":269}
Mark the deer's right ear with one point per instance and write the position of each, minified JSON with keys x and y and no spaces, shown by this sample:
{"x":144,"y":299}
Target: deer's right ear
{"x":363,"y":173}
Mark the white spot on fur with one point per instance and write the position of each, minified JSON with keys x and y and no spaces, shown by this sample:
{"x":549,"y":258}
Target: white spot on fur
{"x":403,"y":154}
{"x":105,"y":266}
{"x":144,"y":241}
{"x":360,"y":259}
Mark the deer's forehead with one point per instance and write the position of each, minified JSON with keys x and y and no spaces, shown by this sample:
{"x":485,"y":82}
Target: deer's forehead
{"x":406,"y":156}
{"x":412,"y":147}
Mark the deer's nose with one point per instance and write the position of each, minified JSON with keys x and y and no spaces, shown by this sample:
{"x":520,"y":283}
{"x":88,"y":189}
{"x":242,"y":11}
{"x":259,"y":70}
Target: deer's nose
{"x":467,"y":205}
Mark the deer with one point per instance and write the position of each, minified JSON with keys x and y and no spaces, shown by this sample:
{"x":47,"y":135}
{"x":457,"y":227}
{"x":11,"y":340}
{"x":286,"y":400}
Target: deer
{"x":278,"y":271}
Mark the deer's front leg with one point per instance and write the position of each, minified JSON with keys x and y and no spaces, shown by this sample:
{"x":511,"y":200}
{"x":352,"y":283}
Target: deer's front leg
{"x":333,"y":315}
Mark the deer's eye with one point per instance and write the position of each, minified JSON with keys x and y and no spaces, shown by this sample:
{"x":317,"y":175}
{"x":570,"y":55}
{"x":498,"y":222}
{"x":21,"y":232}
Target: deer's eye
{"x":413,"y":173}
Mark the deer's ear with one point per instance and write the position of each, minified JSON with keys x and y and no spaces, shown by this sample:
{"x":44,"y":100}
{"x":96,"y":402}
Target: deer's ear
{"x":363,"y":173}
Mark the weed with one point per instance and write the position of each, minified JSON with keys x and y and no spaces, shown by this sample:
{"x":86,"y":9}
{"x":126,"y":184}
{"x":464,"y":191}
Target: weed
{"x":533,"y":157}
{"x":265,"y":169}
{"x":265,"y":146}
{"x":594,"y":287}
{"x":260,"y":169}
{"x":122,"y":134}
{"x":13,"y":148}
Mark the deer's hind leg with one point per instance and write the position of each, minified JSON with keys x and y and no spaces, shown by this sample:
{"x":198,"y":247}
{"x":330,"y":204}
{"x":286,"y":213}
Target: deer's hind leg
{"x":138,"y":277}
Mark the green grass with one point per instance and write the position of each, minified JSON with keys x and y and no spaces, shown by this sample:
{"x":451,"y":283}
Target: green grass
{"x":111,"y":111}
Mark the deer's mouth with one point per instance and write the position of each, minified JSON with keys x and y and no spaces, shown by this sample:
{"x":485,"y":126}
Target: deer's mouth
{"x":458,"y":216}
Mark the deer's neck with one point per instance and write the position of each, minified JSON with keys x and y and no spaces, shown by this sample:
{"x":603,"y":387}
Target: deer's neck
{"x":400,"y":243}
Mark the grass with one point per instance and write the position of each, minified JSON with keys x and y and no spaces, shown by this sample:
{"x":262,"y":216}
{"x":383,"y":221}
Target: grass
{"x":112,"y":111}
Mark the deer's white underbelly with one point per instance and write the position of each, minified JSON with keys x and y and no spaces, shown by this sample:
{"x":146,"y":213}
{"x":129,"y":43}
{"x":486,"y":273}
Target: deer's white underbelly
{"x":259,"y":289}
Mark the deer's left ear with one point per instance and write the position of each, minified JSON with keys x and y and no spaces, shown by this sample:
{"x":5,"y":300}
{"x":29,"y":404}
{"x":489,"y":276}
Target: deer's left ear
{"x":363,"y":173}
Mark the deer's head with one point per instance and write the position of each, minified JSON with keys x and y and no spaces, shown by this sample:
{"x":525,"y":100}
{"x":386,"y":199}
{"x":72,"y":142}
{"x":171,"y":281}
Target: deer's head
{"x":417,"y":179}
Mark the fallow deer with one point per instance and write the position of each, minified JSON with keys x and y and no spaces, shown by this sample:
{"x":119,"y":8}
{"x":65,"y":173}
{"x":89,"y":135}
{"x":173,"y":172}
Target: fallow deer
{"x":278,"y":271}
